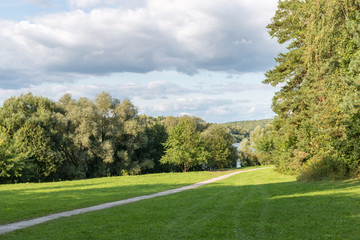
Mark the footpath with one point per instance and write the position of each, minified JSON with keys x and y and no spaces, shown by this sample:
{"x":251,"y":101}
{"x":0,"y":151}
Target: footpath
{"x":28,"y":223}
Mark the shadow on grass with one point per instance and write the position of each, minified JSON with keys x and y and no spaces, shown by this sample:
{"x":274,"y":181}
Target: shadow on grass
{"x":286,"y":210}
{"x":27,"y":203}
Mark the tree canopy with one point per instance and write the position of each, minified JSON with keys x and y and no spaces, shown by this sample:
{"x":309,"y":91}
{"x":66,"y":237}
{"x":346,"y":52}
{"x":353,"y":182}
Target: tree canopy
{"x":318,"y":103}
{"x":42,"y":140}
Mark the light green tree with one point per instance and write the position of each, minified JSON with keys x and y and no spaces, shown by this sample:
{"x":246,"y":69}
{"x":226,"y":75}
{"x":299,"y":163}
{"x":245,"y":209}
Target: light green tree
{"x":184,"y":147}
{"x":218,"y":140}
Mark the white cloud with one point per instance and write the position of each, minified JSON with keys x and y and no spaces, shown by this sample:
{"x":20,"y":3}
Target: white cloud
{"x":41,"y":3}
{"x":152,"y":90}
{"x":90,"y":4}
{"x":158,"y":98}
{"x":182,"y":35}
{"x":84,"y":3}
{"x":251,"y":110}
{"x":192,"y":106}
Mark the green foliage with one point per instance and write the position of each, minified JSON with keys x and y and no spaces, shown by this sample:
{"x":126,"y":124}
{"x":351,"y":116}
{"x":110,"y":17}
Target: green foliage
{"x":11,"y":163}
{"x":238,"y":132}
{"x":248,"y":125}
{"x":106,"y":136}
{"x":246,"y":155}
{"x":319,"y":94}
{"x":41,"y":140}
{"x":241,"y":129}
{"x":73,"y":139}
{"x":258,"y":148}
{"x":184,"y":147}
{"x":33,"y":138}
{"x":222,"y":154}
{"x":194,"y":144}
{"x":157,"y":135}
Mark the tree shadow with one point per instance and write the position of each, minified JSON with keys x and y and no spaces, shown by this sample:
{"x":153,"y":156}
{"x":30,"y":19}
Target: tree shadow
{"x":285,"y":210}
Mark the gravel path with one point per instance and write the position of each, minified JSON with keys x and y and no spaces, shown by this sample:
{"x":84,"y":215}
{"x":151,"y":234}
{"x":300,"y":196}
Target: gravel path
{"x":23,"y":224}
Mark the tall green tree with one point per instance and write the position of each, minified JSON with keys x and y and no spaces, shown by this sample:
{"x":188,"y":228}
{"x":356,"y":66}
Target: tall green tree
{"x":317,"y":81}
{"x":33,"y":136}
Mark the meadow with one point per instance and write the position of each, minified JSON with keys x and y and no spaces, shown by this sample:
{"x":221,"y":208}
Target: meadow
{"x":253,"y":205}
{"x":28,"y":200}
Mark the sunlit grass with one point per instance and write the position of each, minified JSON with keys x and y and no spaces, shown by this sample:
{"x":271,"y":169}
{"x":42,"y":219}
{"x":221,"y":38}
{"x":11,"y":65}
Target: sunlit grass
{"x":24,"y":201}
{"x":253,"y":205}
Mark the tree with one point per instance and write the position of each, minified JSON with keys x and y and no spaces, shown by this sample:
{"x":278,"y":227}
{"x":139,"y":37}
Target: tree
{"x":317,"y":73}
{"x":31,"y":129}
{"x":246,"y":154}
{"x":184,"y":147}
{"x":218,"y":140}
{"x":154,"y":149}
{"x":107,"y":137}
{"x":11,"y":163}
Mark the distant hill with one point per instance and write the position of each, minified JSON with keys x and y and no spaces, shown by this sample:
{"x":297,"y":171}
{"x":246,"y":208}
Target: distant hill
{"x":249,"y":125}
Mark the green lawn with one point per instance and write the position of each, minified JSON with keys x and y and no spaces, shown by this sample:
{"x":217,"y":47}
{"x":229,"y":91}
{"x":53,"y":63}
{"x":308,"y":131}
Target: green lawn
{"x":24,"y":201}
{"x":253,"y":205}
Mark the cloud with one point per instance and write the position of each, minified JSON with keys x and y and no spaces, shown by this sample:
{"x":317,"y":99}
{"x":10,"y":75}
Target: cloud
{"x":152,"y":90}
{"x":121,"y":36}
{"x":90,"y":4}
{"x":196,"y":106}
{"x":160,"y":90}
{"x":41,"y":3}
{"x":212,"y":110}
{"x":251,"y":110}
{"x":237,"y":86}
{"x":157,"y":98}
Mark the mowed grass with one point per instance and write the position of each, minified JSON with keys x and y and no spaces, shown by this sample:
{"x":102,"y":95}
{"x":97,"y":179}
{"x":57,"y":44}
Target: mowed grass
{"x":29,"y":200}
{"x":252,"y":205}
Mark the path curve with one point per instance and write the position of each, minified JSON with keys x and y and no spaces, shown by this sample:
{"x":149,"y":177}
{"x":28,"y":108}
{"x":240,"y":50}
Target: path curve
{"x":27,"y":223}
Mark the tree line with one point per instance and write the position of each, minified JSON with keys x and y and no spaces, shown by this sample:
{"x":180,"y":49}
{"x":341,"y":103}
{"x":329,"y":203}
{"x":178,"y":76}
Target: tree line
{"x":43,"y":140}
{"x":316,"y":132}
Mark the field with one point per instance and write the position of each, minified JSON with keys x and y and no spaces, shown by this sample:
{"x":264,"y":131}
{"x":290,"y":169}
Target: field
{"x":253,"y":205}
{"x":25,"y":201}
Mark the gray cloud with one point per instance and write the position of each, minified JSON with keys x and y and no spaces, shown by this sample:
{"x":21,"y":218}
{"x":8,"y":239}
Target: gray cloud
{"x":161,"y":98}
{"x":237,"y":86}
{"x":41,"y":3}
{"x":89,"y":4}
{"x":191,"y":106}
{"x":152,"y":35}
{"x":152,"y":90}
{"x":212,"y":110}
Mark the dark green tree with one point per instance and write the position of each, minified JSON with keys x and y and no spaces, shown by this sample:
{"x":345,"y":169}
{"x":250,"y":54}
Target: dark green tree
{"x":33,"y":137}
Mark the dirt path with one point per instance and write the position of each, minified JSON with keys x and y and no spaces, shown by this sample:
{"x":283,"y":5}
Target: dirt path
{"x":27,"y":223}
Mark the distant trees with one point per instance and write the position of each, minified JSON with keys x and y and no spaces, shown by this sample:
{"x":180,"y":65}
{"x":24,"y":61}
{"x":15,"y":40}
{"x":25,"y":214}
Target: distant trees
{"x":258,"y":148}
{"x":42,"y":140}
{"x":192,"y":143}
{"x":219,"y":142}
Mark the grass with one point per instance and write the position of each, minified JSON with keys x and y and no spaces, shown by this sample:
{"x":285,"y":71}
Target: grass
{"x":252,"y":205}
{"x":29,"y":200}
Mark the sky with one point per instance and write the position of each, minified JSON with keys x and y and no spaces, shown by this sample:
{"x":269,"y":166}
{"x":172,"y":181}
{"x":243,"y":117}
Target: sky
{"x":169,"y":57}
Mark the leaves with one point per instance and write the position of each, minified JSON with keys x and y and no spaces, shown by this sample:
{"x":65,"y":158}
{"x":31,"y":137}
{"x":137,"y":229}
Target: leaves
{"x":317,"y":74}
